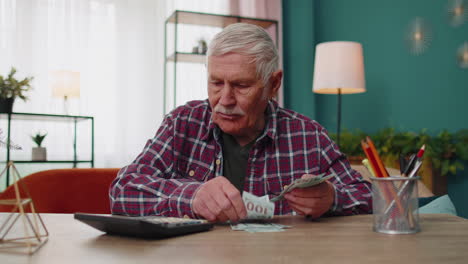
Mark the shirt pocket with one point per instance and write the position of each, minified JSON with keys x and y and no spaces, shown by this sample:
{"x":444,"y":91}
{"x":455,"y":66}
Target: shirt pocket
{"x":193,"y":171}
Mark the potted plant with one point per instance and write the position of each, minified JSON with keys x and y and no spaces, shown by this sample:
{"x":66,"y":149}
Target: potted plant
{"x":202,"y":46}
{"x":10,"y":88}
{"x":39,"y":153}
{"x":350,"y":144}
{"x":446,"y":153}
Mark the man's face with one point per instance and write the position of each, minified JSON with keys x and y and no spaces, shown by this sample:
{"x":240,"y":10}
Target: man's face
{"x":237,"y":97}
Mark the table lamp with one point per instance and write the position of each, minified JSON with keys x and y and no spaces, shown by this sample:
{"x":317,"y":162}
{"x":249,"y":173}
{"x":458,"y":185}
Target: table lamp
{"x":65,"y":84}
{"x":339,"y":69}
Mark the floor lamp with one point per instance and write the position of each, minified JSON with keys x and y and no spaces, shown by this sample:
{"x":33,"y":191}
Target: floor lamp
{"x":339,"y":69}
{"x":65,"y":84}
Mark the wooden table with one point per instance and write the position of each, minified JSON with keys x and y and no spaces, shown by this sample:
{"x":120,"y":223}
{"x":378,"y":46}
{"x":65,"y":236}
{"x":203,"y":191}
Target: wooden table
{"x":444,"y":239}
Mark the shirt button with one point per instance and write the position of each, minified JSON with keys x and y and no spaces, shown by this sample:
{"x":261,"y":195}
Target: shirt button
{"x":191,"y":173}
{"x":218,"y":162}
{"x":186,"y":217}
{"x":285,"y":186}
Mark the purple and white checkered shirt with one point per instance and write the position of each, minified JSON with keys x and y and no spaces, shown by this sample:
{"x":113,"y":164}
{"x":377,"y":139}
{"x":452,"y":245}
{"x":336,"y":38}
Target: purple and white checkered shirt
{"x":186,"y":152}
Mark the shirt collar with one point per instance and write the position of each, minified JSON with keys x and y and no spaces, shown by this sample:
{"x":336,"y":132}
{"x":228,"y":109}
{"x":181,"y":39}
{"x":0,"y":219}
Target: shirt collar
{"x":271,"y":118}
{"x":271,"y":115}
{"x":212,"y":127}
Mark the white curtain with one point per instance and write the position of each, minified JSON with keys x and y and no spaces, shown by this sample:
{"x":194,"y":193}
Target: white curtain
{"x":118,"y":48}
{"x":111,"y":44}
{"x":116,"y":45}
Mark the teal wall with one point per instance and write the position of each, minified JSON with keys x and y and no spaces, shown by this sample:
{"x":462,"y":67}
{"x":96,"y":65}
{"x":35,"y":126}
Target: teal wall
{"x":404,"y":91}
{"x":298,"y":43}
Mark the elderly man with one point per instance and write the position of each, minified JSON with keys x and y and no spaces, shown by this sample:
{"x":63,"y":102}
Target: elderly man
{"x":207,"y":152}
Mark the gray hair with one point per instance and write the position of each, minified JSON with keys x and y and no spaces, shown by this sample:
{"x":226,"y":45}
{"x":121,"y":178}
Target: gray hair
{"x":250,"y":40}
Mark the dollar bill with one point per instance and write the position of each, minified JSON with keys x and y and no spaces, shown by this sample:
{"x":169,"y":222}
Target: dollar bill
{"x":303,"y":183}
{"x":258,"y":207}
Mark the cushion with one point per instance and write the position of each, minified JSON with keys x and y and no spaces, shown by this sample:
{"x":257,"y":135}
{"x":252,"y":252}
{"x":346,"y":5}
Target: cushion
{"x":422,"y":201}
{"x":441,"y":205}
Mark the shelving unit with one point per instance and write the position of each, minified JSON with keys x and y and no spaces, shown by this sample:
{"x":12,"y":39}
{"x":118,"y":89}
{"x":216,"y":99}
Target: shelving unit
{"x":11,"y":117}
{"x":176,"y":56}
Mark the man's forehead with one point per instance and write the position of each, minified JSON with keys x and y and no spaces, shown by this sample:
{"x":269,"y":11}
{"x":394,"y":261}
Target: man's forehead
{"x":234,"y":66}
{"x":232,"y":59}
{"x":237,"y":77}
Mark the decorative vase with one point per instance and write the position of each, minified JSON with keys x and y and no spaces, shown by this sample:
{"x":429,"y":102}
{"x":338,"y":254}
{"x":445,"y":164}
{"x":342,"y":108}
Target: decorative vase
{"x":39,"y":154}
{"x":6,"y":105}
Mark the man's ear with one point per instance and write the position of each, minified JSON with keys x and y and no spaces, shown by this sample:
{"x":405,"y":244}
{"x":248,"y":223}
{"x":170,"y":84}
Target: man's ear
{"x":275,"y":81}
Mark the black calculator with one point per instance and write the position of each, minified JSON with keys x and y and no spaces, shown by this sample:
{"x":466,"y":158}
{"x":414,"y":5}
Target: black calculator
{"x":144,"y":226}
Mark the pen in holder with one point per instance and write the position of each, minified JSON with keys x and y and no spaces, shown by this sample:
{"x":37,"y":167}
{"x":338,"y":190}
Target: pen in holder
{"x":389,"y":218}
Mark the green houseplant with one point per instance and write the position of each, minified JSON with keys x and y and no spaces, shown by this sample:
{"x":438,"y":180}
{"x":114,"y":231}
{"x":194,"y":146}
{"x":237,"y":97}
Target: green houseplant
{"x":448,"y":150}
{"x":445,"y":151}
{"x":202,"y":46}
{"x":39,"y":153}
{"x":350,"y":144}
{"x":10,"y":88}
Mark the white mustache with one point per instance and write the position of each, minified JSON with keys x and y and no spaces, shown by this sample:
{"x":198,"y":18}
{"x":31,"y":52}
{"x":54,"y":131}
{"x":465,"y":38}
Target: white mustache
{"x":228,"y":111}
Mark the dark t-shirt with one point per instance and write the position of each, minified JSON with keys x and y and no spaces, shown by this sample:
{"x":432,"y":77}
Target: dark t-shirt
{"x":235,"y":160}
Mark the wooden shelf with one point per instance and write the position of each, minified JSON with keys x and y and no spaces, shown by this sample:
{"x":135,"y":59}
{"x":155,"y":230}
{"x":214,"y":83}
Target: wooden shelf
{"x":187,"y":57}
{"x":205,"y":19}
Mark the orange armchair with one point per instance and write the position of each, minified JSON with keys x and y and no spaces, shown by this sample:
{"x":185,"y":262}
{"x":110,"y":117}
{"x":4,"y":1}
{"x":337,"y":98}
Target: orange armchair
{"x":67,"y":190}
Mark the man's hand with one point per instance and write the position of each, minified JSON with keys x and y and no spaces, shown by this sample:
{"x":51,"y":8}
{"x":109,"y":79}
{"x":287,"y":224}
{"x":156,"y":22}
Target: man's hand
{"x":218,"y":200}
{"x":313,"y":201}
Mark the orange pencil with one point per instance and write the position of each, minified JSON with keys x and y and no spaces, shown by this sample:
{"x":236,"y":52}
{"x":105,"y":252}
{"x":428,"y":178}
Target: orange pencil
{"x":371,"y":158}
{"x":388,"y":196}
{"x":377,"y":157}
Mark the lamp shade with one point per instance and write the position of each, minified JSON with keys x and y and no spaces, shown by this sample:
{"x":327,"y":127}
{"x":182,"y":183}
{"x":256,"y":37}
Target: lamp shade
{"x":339,"y":65}
{"x":66,"y":84}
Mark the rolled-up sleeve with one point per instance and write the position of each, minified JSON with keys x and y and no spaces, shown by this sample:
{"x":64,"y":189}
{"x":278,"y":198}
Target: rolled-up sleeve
{"x":352,"y":192}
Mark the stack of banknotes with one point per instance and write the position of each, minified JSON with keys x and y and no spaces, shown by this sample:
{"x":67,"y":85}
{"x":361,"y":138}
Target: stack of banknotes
{"x":259,"y":227}
{"x":260,"y":208}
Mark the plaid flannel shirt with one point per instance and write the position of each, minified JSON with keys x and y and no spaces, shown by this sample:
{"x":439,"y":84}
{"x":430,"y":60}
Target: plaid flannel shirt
{"x":187,"y":151}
